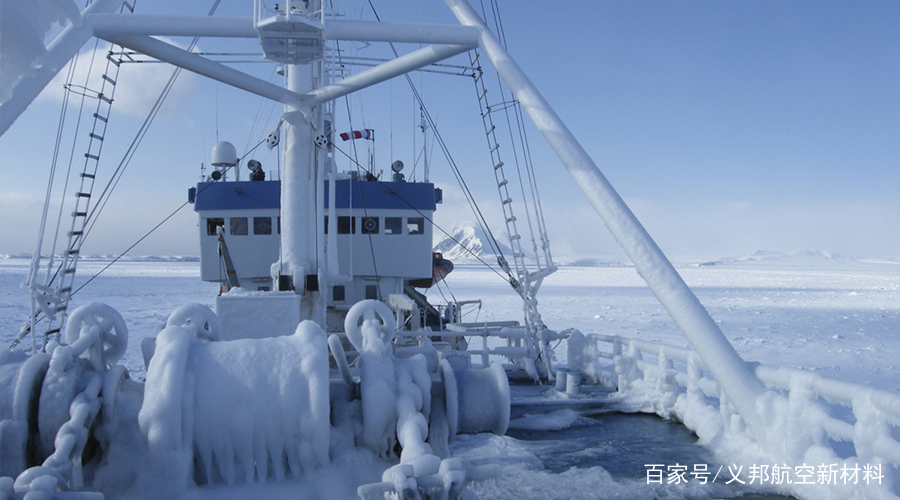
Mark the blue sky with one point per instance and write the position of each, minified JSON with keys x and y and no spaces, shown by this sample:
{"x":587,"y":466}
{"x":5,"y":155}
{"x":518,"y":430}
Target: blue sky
{"x":728,"y":127}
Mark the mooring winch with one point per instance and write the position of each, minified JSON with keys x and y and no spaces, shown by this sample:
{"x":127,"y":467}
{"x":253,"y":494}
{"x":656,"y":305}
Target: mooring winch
{"x":241,"y":411}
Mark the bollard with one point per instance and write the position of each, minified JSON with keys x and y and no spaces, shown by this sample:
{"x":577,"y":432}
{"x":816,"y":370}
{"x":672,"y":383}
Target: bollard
{"x":573,"y":383}
{"x":561,"y":379}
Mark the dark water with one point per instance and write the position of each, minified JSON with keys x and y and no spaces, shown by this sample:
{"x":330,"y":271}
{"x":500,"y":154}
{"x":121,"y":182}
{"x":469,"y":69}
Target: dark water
{"x":625,"y":445}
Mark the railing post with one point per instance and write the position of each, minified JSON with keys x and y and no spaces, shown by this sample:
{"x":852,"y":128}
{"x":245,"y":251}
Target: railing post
{"x":617,"y":354}
{"x":798,"y":438}
{"x":694,"y":374}
{"x":665,"y":384}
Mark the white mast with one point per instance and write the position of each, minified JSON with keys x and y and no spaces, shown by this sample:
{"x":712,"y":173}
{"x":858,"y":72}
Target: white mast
{"x":299,"y":181}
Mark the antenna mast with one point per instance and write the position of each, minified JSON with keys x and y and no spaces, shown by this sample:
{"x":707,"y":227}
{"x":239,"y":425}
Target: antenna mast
{"x":423,"y":124}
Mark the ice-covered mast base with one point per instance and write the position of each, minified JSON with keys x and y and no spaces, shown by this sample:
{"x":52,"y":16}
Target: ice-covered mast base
{"x":298,"y":188}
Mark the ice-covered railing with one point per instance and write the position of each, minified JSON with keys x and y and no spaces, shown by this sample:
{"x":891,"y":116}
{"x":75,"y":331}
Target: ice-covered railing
{"x":840,"y":437}
{"x":518,"y":349}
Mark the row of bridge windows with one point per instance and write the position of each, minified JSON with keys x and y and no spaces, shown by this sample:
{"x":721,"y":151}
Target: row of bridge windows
{"x":240,"y":226}
{"x":378,"y":225}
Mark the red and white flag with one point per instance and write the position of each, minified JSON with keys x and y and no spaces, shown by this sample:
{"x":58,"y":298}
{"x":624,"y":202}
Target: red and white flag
{"x":359,"y":134}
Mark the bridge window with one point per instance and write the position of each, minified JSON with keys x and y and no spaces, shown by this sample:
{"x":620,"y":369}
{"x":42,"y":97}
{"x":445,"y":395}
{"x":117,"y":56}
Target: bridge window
{"x":370,"y":225}
{"x":212,"y":223}
{"x":415,"y":225}
{"x":262,"y":225}
{"x":238,"y":226}
{"x":372,"y":292}
{"x":338,"y":292}
{"x":393,"y":225}
{"x":346,"y":225}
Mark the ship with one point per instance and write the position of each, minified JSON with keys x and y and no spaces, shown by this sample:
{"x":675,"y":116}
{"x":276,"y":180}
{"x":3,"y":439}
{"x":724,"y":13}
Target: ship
{"x":322,"y":347}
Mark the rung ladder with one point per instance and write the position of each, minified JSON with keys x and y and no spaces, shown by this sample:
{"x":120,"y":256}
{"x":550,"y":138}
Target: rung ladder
{"x":81,"y":212}
{"x":506,"y":200}
{"x":525,"y":282}
{"x":521,"y":281}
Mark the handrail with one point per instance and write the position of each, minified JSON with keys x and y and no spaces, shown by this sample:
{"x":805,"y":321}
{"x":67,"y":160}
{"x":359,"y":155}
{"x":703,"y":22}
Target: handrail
{"x":805,"y":409}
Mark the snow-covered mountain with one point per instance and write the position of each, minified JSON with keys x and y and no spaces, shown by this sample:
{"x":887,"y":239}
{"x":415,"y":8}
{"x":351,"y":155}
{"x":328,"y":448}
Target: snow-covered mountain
{"x":466,"y":244}
{"x":800,"y":258}
{"x":761,"y":258}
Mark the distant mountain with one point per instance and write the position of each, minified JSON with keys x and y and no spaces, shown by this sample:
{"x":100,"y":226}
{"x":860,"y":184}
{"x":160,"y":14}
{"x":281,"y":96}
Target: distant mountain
{"x":801,"y":258}
{"x":108,"y":257}
{"x":467,"y":244}
{"x":761,"y":258}
{"x":599,"y":262}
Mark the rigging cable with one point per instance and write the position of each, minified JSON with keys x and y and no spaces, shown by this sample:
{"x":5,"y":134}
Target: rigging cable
{"x":139,"y":137}
{"x":526,"y":150}
{"x":429,"y":219}
{"x":515,"y":105}
{"x":148,"y":233}
{"x":256,"y":119}
{"x":127,"y":157}
{"x":35,"y":263}
{"x":447,"y":286}
{"x":492,"y":241}
{"x":69,"y":168}
{"x":362,"y":226}
{"x":129,"y":154}
{"x":31,"y":283}
{"x":34,"y":268}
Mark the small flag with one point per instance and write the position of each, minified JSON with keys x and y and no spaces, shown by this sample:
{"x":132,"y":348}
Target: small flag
{"x":359,"y":134}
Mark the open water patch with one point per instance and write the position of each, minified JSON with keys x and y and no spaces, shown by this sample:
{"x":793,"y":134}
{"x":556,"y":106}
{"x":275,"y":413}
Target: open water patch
{"x":632,"y":447}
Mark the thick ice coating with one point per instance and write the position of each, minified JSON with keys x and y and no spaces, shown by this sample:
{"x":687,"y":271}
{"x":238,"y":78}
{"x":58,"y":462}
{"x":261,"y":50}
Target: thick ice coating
{"x":247,"y":410}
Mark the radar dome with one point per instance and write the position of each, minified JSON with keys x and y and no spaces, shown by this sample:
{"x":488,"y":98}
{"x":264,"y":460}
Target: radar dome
{"x":224,"y":154}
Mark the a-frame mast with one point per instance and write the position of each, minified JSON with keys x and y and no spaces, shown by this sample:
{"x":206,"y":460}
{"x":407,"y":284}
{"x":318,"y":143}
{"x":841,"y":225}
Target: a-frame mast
{"x":302,"y":93}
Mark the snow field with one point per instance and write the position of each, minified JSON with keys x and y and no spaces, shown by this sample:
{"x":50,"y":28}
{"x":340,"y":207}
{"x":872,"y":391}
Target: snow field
{"x":794,"y":312}
{"x":836,"y":318}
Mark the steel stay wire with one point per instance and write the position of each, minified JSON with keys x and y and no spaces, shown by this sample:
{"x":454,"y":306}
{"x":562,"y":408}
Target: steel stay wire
{"x":117,"y":175}
{"x":148,"y":233}
{"x":470,"y":199}
{"x":129,"y":154}
{"x":526,"y":151}
{"x":429,"y":219}
{"x":139,"y":137}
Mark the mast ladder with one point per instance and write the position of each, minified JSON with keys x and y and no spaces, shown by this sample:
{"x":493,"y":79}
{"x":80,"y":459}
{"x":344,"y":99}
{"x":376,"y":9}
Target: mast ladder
{"x":506,"y":201}
{"x":522,"y":282}
{"x":54,"y":301}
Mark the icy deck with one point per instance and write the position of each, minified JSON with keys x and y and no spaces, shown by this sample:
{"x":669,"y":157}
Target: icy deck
{"x":563,"y":435}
